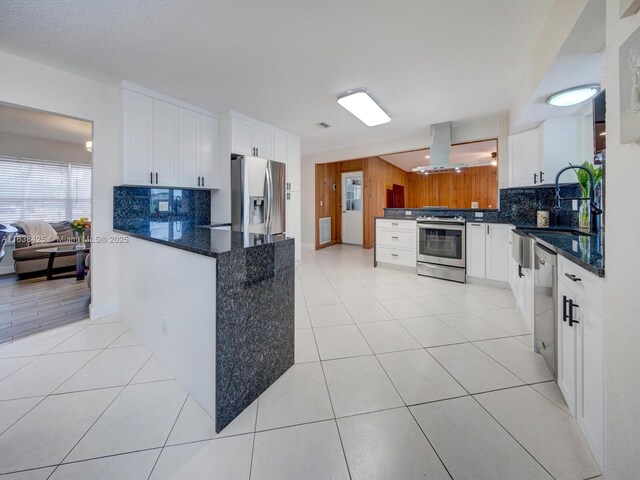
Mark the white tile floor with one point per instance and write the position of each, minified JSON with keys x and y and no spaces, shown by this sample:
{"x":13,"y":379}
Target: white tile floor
{"x":396,"y":377}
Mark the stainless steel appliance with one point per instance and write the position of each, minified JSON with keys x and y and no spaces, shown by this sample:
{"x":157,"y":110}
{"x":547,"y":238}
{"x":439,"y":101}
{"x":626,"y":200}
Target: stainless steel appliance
{"x":544,"y":306}
{"x":257,"y":195}
{"x":441,"y":248}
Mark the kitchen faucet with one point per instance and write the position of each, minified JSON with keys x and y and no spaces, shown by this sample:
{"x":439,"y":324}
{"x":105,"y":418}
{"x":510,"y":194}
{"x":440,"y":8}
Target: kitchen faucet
{"x":594,"y":210}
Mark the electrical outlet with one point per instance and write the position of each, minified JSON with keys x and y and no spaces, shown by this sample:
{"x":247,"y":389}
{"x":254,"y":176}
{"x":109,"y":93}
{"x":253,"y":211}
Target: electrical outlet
{"x":479,"y":214}
{"x":163,"y":206}
{"x":574,"y":245}
{"x":164,"y":325}
{"x":407,"y":213}
{"x":574,"y":205}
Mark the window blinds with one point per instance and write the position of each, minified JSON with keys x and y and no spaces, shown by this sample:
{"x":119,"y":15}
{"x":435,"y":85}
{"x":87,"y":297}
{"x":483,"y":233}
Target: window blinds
{"x":39,"y":190}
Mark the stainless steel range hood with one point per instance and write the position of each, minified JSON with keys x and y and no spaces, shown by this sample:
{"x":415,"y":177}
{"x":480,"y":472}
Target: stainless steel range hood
{"x":440,"y":150}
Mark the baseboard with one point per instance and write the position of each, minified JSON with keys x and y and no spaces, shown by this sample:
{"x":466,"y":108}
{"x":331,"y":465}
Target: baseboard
{"x":488,"y":283}
{"x":99,"y":311}
{"x":307,"y":246}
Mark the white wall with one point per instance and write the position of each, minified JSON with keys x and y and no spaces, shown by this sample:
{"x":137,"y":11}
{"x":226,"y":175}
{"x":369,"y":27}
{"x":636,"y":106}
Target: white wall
{"x":622,"y":308}
{"x":34,"y":85}
{"x":23,"y":146}
{"x":482,"y":129}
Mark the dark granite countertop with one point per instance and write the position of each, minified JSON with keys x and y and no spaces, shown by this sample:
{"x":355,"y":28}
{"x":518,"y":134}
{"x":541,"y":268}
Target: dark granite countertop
{"x":583,"y":250}
{"x":203,"y":240}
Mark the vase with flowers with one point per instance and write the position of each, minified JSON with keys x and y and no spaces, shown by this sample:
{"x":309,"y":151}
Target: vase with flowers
{"x":584,"y":181}
{"x":79,"y":227}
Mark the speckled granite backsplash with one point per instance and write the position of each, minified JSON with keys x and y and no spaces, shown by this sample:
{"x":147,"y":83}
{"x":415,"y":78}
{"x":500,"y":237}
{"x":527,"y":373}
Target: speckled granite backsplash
{"x":518,"y":206}
{"x":137,"y":207}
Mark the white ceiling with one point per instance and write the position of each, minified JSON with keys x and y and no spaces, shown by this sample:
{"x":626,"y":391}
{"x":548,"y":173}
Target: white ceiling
{"x":579,"y":62}
{"x":33,"y":123}
{"x":466,"y":153}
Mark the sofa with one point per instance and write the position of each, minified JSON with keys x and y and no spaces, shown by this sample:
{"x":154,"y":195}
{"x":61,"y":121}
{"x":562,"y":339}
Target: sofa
{"x":28,"y":262}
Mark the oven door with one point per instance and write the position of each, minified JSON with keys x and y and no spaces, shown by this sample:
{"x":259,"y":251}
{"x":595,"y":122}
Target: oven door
{"x":442,"y":244}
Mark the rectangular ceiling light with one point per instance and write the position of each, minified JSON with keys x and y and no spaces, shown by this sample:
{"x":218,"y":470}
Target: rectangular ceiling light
{"x":360,"y":104}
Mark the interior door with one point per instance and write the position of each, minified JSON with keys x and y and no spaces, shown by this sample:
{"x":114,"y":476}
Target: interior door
{"x":352,"y":208}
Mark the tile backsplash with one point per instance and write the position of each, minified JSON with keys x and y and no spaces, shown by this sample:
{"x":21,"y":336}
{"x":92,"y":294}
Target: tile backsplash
{"x":135,"y":207}
{"x":519,"y":206}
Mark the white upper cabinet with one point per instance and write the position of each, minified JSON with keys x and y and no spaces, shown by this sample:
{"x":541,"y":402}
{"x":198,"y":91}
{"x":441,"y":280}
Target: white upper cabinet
{"x":168,"y":143}
{"x":251,"y":138}
{"x":476,"y":250}
{"x":536,"y":156}
{"x":280,"y":144}
{"x":166,"y":121}
{"x":242,"y":137}
{"x":293,"y":163}
{"x":498,"y":252}
{"x":208,"y":151}
{"x":187,"y":170}
{"x":137,"y":138}
{"x":524,"y":158}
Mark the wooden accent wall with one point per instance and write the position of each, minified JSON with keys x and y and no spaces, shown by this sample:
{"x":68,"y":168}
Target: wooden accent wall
{"x":328,"y":200}
{"x":378,"y":177}
{"x":455,"y":190}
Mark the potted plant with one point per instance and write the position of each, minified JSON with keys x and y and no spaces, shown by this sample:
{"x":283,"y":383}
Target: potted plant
{"x":584,"y":180}
{"x":79,"y":227}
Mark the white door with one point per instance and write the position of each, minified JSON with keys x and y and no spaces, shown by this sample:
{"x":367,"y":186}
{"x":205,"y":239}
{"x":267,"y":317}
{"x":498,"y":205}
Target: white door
{"x":352,"y":208}
{"x":476,"y":249}
{"x":498,"y":252}
{"x":524,"y":158}
{"x":567,"y":346}
{"x":241,"y":137}
{"x":263,"y":141}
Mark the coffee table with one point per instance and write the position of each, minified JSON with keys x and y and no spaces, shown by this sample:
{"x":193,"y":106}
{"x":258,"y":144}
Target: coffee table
{"x":65,"y":251}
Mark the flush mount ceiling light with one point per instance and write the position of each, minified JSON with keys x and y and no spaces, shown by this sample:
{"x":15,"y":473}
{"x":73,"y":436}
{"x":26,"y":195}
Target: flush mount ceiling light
{"x":572,"y":96}
{"x":89,"y":146}
{"x":360,"y":104}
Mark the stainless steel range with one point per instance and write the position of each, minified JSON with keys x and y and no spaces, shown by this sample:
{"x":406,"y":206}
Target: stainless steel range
{"x":441,"y":248}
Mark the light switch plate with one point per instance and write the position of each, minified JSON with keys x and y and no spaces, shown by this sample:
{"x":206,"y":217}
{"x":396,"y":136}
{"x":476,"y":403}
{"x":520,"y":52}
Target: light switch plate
{"x":574,"y":205}
{"x":163,"y":206}
{"x":574,"y":245}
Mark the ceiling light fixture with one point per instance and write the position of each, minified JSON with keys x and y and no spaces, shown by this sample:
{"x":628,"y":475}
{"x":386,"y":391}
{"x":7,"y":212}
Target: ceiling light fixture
{"x":89,"y":146}
{"x":572,"y":96}
{"x":360,"y":103}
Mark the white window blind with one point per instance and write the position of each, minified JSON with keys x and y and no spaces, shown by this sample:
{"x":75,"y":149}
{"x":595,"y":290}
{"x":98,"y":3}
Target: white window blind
{"x":39,"y":190}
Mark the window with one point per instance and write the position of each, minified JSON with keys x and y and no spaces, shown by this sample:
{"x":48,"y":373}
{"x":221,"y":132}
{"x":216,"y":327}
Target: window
{"x":39,"y":190}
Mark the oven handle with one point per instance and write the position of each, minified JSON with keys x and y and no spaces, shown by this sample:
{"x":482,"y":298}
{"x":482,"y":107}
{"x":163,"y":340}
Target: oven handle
{"x":443,"y":226}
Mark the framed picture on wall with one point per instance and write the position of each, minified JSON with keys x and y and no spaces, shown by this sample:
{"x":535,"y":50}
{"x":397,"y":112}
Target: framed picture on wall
{"x":630,"y":89}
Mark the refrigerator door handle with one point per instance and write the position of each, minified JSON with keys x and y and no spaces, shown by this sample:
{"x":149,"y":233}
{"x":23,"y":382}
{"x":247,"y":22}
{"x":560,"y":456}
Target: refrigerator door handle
{"x":269,"y":199}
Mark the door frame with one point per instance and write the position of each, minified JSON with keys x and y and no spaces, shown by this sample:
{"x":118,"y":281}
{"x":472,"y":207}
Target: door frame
{"x":342,"y":194}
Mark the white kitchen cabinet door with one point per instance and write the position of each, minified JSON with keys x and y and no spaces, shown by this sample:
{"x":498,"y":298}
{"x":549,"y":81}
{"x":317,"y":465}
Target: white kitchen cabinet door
{"x":590,"y":397}
{"x":263,"y":141}
{"x":562,"y":139}
{"x":241,"y":137}
{"x":293,"y":163}
{"x":188,"y":166}
{"x":294,"y":221}
{"x":280,"y":146}
{"x":476,"y":250}
{"x":208,"y":151}
{"x":498,"y":252}
{"x":166,"y":120}
{"x":525,"y":157}
{"x":567,"y":346}
{"x":137,"y":138}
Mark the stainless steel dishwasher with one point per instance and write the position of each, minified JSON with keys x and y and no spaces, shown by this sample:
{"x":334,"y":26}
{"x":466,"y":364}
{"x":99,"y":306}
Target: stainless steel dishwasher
{"x":545,"y":305}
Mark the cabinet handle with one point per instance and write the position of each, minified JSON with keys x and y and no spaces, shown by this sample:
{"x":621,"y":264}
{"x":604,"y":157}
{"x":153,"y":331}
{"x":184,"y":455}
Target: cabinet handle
{"x":257,"y":152}
{"x":541,"y":176}
{"x":151,"y":178}
{"x":535,"y":178}
{"x":571,"y":320}
{"x":520,"y":273}
{"x":198,"y":181}
{"x":564,"y":308}
{"x":156,"y":178}
{"x":394,"y":255}
{"x":395,"y":238}
{"x":203,"y":181}
{"x":572,"y":277}
{"x":488,"y":232}
{"x":394,"y":224}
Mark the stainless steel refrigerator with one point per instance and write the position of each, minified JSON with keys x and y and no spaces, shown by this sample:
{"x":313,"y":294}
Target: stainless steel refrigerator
{"x":258,"y":195}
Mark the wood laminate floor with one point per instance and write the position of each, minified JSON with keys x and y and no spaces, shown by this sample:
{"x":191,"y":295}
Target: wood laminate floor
{"x":37,"y":304}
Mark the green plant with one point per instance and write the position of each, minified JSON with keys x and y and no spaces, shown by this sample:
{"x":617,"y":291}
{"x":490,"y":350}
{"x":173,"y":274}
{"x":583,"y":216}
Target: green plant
{"x":583,"y":177}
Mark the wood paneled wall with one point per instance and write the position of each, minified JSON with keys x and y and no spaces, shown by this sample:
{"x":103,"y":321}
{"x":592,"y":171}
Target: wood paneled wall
{"x":327,"y":200}
{"x":378,"y":177}
{"x":455,"y":190}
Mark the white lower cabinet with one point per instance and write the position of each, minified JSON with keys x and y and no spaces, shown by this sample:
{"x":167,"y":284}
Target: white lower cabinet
{"x":581,"y":350}
{"x":488,"y":251}
{"x":396,"y":242}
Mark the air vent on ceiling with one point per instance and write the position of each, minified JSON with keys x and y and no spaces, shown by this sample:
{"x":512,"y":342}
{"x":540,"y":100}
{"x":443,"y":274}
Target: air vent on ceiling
{"x":323,"y":125}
